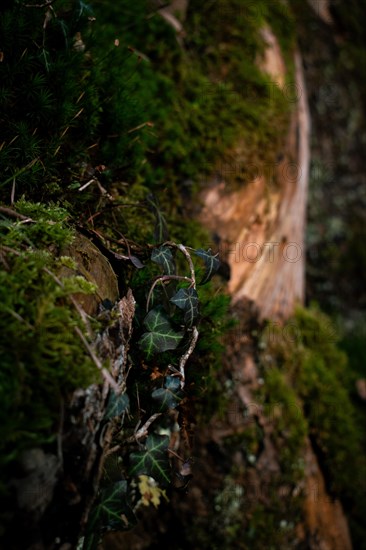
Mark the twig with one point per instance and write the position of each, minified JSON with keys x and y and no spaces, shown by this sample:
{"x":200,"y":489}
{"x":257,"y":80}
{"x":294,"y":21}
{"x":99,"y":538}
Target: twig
{"x":176,"y":455}
{"x":112,"y":451}
{"x":44,"y":5}
{"x":149,"y":124}
{"x":93,"y":180}
{"x":14,"y":214}
{"x":11,"y":250}
{"x":162,"y":278}
{"x":4,"y":262}
{"x":104,"y":191}
{"x":19,"y":318}
{"x":184,"y":250}
{"x":20,"y":172}
{"x":12,"y":195}
{"x":143,"y":431}
{"x":107,"y":376}
{"x":186,"y":356}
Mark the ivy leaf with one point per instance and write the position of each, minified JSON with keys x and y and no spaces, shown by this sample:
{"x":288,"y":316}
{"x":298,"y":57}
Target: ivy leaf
{"x":160,"y":336}
{"x":212,"y":264}
{"x":111,"y":512}
{"x":170,"y":396}
{"x":187,"y":299}
{"x":117,"y":405}
{"x":153,"y":461}
{"x":163,"y":256}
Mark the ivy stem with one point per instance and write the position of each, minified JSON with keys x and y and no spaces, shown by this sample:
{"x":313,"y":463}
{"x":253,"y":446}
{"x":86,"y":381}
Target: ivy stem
{"x":106,"y":375}
{"x":184,"y":251}
{"x":162,"y":278}
{"x":186,"y":356}
{"x":175,"y":454}
{"x":143,"y":431}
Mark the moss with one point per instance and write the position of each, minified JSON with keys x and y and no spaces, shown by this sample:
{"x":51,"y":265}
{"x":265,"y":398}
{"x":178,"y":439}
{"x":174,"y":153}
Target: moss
{"x":42,"y":359}
{"x":206,"y":363}
{"x":323,"y":383}
{"x":249,"y":441}
{"x":238,"y":519}
{"x":289,"y":426}
{"x":228,"y":44}
{"x":136,"y":113}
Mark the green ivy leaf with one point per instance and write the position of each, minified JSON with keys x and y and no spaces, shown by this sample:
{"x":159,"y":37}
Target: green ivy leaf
{"x":163,"y":256}
{"x":153,"y":461}
{"x":111,"y":512}
{"x":170,"y":396}
{"x":187,"y":299}
{"x":160,"y":336}
{"x":212,"y":264}
{"x":117,"y":405}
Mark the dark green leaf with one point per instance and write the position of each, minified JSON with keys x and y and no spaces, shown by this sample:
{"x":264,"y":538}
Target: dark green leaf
{"x":163,"y":256}
{"x":153,"y":461}
{"x":187,"y":299}
{"x":212,"y":264}
{"x":110,"y":513}
{"x":117,"y":405}
{"x":160,"y":336}
{"x":170,"y":396}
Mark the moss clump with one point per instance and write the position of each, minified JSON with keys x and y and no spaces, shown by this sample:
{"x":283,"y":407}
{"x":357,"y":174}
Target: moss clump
{"x":43,"y":102}
{"x":246,"y":515}
{"x":86,"y":105}
{"x":307,"y":351}
{"x":42,"y":359}
{"x":282,"y":407}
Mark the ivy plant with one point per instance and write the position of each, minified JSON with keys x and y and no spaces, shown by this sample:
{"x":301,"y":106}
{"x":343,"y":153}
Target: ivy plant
{"x":169,"y":325}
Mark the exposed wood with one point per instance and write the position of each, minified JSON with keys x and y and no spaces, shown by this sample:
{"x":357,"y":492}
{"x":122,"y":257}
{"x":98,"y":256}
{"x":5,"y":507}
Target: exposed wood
{"x":277,"y":286}
{"x":261,"y":228}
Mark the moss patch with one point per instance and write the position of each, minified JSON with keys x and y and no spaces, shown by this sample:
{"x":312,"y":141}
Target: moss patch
{"x":42,"y":358}
{"x":307,"y":350}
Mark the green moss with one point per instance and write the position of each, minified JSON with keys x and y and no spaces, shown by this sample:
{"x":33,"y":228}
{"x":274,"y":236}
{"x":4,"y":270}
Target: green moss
{"x":155,"y":114}
{"x":41,"y":95}
{"x":283,"y":409}
{"x":308,"y":354}
{"x":42,"y":358}
{"x":237,"y":519}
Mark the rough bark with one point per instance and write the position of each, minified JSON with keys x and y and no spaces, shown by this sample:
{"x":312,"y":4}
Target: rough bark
{"x":271,"y":217}
{"x":54,"y":492}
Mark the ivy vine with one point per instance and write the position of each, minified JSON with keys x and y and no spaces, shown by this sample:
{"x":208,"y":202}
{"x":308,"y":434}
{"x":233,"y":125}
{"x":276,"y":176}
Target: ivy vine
{"x":166,"y":326}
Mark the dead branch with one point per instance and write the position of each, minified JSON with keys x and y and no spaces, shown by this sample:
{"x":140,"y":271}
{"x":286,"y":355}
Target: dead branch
{"x":107,"y":375}
{"x":12,"y":213}
{"x":184,"y":250}
{"x":162,"y":278}
{"x":44,"y":5}
{"x":143,"y":431}
{"x":187,"y":355}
